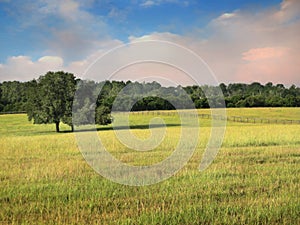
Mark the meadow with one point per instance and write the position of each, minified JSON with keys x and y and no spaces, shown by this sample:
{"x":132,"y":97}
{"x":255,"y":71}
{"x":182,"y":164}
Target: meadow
{"x":255,"y":178}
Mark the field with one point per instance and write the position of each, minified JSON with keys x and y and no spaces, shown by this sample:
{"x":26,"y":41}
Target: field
{"x":255,"y":178}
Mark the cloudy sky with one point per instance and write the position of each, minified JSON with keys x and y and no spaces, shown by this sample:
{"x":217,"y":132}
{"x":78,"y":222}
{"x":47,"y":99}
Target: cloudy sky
{"x":239,"y":40}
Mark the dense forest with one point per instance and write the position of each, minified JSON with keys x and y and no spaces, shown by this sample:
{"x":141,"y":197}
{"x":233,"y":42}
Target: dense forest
{"x":15,"y":95}
{"x":59,"y":97}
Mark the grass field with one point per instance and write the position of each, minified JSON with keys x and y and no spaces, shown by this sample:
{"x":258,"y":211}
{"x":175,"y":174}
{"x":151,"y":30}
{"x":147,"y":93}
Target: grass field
{"x":255,"y":178}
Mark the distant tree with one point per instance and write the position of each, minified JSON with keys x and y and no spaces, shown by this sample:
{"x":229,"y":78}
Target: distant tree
{"x":224,"y":89}
{"x":109,"y":92}
{"x":201,"y":103}
{"x":274,"y":101}
{"x":237,"y":89}
{"x":13,"y":96}
{"x":90,"y":106}
{"x":269,"y":85}
{"x":97,"y":99}
{"x":254,"y":89}
{"x":289,"y":100}
{"x":103,"y":115}
{"x":50,"y":99}
{"x":279,"y":90}
{"x":255,"y":101}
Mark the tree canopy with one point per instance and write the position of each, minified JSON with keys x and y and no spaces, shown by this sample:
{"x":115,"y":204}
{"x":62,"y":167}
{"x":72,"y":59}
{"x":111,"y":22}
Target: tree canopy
{"x":49,"y":99}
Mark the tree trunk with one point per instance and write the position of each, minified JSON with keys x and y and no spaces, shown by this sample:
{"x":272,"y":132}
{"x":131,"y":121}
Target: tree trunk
{"x":57,"y":126}
{"x":72,"y":128}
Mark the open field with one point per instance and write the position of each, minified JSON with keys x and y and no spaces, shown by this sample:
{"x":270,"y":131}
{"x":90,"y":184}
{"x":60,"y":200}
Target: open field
{"x":255,"y":178}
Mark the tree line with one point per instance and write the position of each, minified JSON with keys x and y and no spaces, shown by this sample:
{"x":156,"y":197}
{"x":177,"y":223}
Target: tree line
{"x":50,"y":98}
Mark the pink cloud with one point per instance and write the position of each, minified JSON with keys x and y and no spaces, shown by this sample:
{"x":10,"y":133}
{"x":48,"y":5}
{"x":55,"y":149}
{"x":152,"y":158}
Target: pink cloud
{"x":265,"y":53}
{"x":263,"y":48}
{"x":279,"y":67}
{"x":239,"y":46}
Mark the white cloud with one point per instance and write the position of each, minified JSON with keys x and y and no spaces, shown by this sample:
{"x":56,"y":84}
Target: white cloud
{"x":51,"y":60}
{"x":243,"y":46}
{"x":22,"y":68}
{"x":81,"y":34}
{"x":239,"y":46}
{"x":289,"y":11}
{"x":225,"y":17}
{"x":153,"y":59}
{"x":248,"y":46}
{"x":65,"y":28}
{"x":150,"y":3}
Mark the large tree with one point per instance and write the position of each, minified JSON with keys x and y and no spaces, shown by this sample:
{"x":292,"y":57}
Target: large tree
{"x":50,"y":99}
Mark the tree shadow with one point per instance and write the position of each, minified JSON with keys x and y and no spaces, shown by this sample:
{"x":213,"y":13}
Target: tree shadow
{"x":134,"y":127}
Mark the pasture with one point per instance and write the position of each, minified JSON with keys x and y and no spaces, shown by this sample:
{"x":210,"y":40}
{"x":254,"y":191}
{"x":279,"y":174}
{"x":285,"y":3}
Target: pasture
{"x":255,"y":178}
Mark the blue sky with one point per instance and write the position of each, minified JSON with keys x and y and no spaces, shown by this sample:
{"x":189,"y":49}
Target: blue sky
{"x":71,"y":31}
{"x":23,"y":34}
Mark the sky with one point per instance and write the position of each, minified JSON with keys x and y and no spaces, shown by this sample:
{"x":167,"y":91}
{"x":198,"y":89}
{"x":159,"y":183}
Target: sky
{"x":238,"y":40}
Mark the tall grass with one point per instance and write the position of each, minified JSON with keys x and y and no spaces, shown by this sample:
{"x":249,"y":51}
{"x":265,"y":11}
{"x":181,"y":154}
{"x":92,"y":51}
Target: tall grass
{"x":255,"y":178}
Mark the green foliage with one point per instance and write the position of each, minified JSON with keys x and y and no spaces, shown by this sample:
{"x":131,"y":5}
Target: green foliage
{"x":83,"y":103}
{"x":89,"y":106}
{"x":247,"y":95}
{"x":50,"y":99}
{"x":103,"y":115}
{"x":134,"y":96}
{"x":13,"y":96}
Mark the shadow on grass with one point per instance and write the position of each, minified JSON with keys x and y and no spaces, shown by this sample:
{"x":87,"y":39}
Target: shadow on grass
{"x":33,"y":132}
{"x":141,"y":127}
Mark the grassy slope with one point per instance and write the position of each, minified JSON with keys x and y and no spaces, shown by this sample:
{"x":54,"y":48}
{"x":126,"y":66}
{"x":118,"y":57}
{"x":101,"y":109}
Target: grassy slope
{"x":254,"y":179}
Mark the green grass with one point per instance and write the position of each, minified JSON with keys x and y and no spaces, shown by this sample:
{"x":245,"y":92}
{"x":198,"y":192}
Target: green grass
{"x":255,"y":178}
{"x":268,"y":113}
